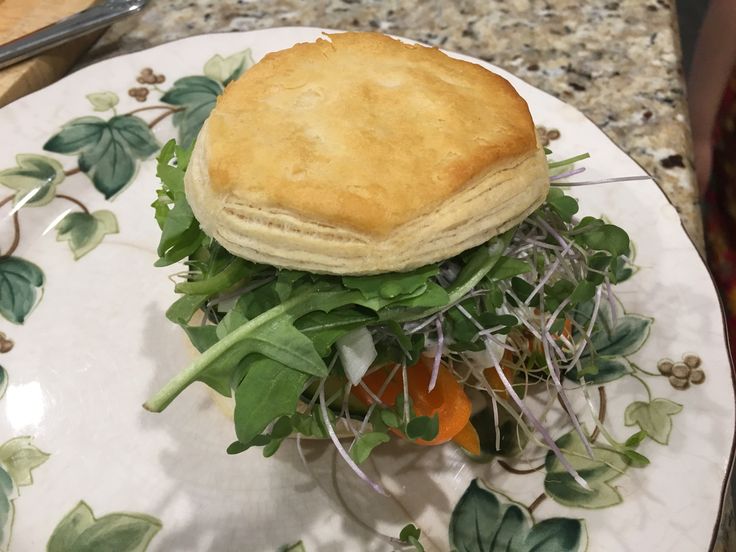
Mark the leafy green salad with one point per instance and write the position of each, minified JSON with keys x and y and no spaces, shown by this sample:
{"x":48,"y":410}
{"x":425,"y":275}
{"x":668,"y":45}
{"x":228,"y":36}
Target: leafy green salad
{"x":448,"y":352}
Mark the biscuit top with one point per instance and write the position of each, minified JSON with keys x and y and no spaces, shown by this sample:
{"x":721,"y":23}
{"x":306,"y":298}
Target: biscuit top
{"x":362,"y":132}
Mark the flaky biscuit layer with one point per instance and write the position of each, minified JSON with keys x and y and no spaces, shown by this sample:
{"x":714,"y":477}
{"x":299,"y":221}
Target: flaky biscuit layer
{"x":363,"y":155}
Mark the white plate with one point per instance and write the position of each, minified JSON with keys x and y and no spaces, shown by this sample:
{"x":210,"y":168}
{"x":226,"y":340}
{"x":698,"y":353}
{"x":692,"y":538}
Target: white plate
{"x":97,"y":344}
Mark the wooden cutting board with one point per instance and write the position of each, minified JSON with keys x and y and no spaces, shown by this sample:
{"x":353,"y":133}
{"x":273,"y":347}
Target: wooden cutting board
{"x":20,"y":17}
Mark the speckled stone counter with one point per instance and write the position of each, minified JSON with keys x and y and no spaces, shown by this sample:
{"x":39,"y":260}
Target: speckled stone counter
{"x":618,"y":62}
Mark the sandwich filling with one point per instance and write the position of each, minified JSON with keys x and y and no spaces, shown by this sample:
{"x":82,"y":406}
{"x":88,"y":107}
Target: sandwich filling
{"x":445,"y":352}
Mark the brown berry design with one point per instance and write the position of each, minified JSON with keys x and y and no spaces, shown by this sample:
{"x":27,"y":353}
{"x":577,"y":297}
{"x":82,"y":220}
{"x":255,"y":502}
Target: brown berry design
{"x":147,"y":76}
{"x":6,"y":345}
{"x":140,"y":93}
{"x":684,"y":372}
{"x":546,"y":136}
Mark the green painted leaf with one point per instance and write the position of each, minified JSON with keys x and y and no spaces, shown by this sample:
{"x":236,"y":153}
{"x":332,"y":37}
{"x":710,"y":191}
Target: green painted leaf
{"x":600,"y":370}
{"x":135,"y":133}
{"x":296,"y":547}
{"x":77,"y":135}
{"x":107,"y":150}
{"x":3,"y":381}
{"x":34,"y":175}
{"x":556,"y":535}
{"x":197,"y":96}
{"x":625,"y":338}
{"x":480,"y":522}
{"x":108,"y":163}
{"x":654,"y":418}
{"x":598,"y":473}
{"x":228,"y":69}
{"x":102,"y":101}
{"x":479,"y":517}
{"x":80,"y":531}
{"x":20,"y":282}
{"x":75,"y":523}
{"x":84,"y":231}
{"x":19,"y":457}
{"x":8,"y":492}
{"x":268,"y":390}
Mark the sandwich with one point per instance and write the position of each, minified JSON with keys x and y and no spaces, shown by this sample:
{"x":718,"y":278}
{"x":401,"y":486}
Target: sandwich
{"x":373,"y":251}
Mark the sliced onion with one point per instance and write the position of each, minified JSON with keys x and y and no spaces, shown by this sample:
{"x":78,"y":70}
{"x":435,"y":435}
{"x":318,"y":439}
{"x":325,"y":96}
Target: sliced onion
{"x":357,"y":352}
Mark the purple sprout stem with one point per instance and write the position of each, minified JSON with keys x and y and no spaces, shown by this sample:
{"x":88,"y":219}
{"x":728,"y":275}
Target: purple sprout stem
{"x":554,"y":372}
{"x":604,"y":181}
{"x":548,"y":275}
{"x":496,"y":424}
{"x":437,"y":354}
{"x":611,"y":301}
{"x":340,"y":449}
{"x":405,"y":385}
{"x":536,"y":423}
{"x":593,"y":317}
{"x":566,"y":174}
{"x":381,"y":391}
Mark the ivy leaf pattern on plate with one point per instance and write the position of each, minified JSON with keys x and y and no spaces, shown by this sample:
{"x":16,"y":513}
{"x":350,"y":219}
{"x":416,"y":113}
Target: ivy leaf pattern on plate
{"x":85,"y":231}
{"x":80,"y":531}
{"x":227,"y":69}
{"x":480,"y":522}
{"x":600,"y":370}
{"x":296,"y":547}
{"x":102,"y":101}
{"x":196,"y":96}
{"x":3,"y":381}
{"x":20,"y":284}
{"x":108,"y":150}
{"x":8,"y":492}
{"x":598,"y":472}
{"x":17,"y":458}
{"x":34,"y":175}
{"x":617,"y":336}
{"x":654,"y":418}
{"x":624,"y":337}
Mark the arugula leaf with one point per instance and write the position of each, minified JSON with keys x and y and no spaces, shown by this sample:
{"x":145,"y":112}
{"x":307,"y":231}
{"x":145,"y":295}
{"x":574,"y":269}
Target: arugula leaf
{"x":182,"y":310}
{"x":268,"y":390}
{"x":285,"y":280}
{"x":323,"y":329}
{"x":391,"y":285}
{"x":271,"y":333}
{"x":237,"y":270}
{"x":180,"y":232}
{"x":202,"y":337}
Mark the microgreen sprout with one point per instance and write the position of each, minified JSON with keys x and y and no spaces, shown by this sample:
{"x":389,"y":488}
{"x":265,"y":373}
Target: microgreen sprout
{"x":506,"y":322}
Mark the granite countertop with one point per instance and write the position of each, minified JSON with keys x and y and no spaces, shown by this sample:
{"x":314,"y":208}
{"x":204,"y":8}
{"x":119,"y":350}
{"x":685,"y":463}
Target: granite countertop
{"x":589,"y":54}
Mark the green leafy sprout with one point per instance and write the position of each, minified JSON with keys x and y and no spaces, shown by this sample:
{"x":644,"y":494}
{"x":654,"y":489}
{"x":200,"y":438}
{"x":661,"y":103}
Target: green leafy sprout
{"x":272,"y":339}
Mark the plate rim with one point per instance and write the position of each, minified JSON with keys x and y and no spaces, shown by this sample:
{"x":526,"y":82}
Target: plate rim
{"x":731,"y":461}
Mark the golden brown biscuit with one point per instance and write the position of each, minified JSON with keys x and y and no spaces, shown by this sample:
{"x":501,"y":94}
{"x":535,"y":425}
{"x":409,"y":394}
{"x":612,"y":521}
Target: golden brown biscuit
{"x":361,"y":154}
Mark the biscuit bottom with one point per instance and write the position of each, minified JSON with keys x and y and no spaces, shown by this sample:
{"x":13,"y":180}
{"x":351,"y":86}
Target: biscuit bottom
{"x":488,"y":205}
